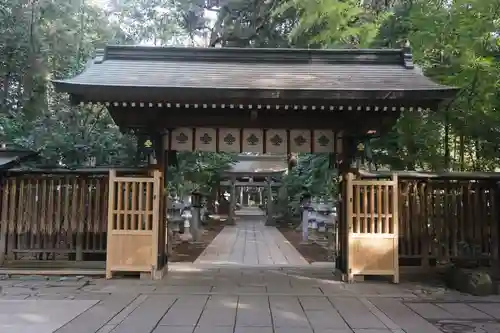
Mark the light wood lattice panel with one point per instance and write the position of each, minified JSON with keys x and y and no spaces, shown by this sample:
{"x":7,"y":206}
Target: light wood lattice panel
{"x":133,"y":223}
{"x":372,"y":217}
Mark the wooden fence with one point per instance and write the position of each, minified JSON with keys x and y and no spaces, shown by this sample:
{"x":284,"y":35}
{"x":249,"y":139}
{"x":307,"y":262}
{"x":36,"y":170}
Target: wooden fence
{"x":447,"y":217}
{"x":62,"y":215}
{"x":56,"y":215}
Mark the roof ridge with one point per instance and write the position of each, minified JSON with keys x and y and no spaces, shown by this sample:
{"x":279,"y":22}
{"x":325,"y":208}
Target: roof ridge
{"x":399,"y":57}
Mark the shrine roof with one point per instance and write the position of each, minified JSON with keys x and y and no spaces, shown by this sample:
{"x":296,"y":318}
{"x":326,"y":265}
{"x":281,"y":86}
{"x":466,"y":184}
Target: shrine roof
{"x":162,"y":73}
{"x":10,"y":158}
{"x":258,"y":164}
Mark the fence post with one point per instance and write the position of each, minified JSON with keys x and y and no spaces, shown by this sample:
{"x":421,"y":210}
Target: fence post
{"x":395,"y":222}
{"x":3,"y":221}
{"x":495,"y":246}
{"x":425,"y":191}
{"x":349,"y":224}
{"x":80,"y":219}
{"x":111,"y":208}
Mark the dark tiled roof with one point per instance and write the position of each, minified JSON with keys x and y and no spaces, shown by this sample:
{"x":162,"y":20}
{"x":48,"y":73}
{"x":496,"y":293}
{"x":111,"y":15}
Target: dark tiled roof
{"x":252,"y":69}
{"x":10,"y":158}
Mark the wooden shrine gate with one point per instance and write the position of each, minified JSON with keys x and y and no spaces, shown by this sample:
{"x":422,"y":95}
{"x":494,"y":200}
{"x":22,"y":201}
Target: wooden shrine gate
{"x":136,"y":228}
{"x":370,"y":241}
{"x":235,"y":104}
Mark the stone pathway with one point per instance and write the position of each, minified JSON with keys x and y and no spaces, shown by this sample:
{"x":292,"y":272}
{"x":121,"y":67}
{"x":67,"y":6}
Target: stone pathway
{"x":250,"y":211}
{"x":242,"y":296}
{"x":238,"y":300}
{"x":250,"y":243}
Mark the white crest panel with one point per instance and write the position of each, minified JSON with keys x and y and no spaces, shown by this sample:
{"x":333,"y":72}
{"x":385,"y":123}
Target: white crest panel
{"x":300,"y":141}
{"x":253,"y":140}
{"x":205,"y":139}
{"x":324,"y":141}
{"x":182,"y":139}
{"x":276,"y":141}
{"x":229,"y":140}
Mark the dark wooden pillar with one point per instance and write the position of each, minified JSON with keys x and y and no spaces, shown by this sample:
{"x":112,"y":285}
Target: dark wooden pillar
{"x":344,"y":168}
{"x":161,"y":155}
{"x":232,"y":203}
{"x":269,"y":201}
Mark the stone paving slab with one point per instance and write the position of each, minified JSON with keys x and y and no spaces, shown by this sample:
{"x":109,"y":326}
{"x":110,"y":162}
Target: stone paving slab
{"x":121,"y":313}
{"x":460,"y":325}
{"x":185,"y":311}
{"x":97,"y":317}
{"x":402,"y":316}
{"x":242,"y":300}
{"x":30,"y":316}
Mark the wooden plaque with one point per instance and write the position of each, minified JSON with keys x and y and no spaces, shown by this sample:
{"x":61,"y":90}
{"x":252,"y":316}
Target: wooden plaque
{"x":205,"y":139}
{"x":182,"y":139}
{"x":230,"y":140}
{"x":324,"y":141}
{"x":276,"y":141}
{"x":300,"y":141}
{"x":253,"y":140}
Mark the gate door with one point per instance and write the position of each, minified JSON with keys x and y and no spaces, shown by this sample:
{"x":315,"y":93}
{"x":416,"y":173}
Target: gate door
{"x":133,"y":224}
{"x":372,"y":220}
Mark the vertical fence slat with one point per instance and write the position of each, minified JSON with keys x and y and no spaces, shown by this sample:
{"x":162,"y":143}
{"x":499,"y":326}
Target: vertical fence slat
{"x":449,"y":220}
{"x":50,"y":213}
{"x":494,"y":227}
{"x":455,"y":220}
{"x":44,"y":219}
{"x":20,"y":213}
{"x":35,"y":217}
{"x":89,"y":215}
{"x":79,"y":219}
{"x":58,"y":219}
{"x":4,"y":223}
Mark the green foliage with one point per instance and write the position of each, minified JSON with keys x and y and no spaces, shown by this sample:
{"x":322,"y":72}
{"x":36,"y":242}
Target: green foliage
{"x":198,"y":171}
{"x":454,"y":42}
{"x":158,"y":22}
{"x":47,"y":39}
{"x":334,"y":23}
{"x":455,"y":45}
{"x":42,"y":40}
{"x":313,"y":176}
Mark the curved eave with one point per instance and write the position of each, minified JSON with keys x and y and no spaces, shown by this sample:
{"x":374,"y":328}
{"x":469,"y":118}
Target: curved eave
{"x":253,"y":174}
{"x":106,"y":93}
{"x":15,"y":157}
